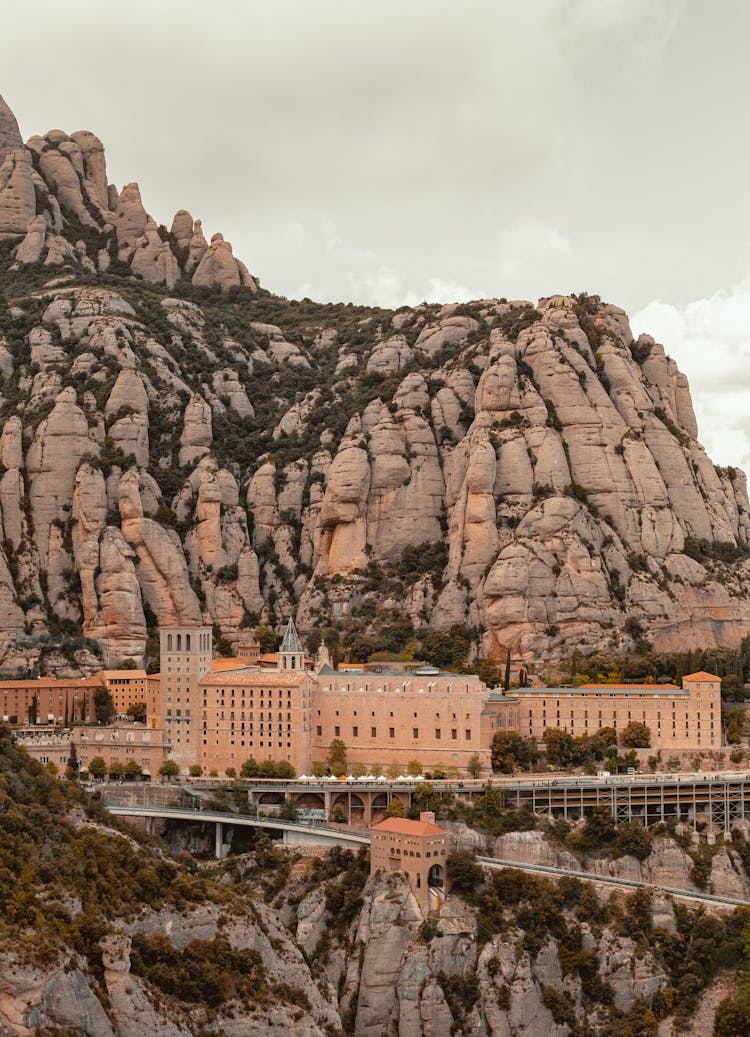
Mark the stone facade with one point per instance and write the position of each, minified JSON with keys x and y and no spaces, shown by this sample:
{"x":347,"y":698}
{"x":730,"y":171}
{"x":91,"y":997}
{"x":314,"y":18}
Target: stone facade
{"x":687,"y":718}
{"x":127,"y":688}
{"x":392,"y":716}
{"x":256,"y":713}
{"x":186,"y":653}
{"x":55,"y":701}
{"x":115,"y":743}
{"x":219,"y":713}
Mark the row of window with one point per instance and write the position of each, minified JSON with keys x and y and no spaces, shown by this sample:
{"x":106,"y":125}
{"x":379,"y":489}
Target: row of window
{"x":392,"y":732}
{"x":175,"y":642}
{"x":411,"y":853}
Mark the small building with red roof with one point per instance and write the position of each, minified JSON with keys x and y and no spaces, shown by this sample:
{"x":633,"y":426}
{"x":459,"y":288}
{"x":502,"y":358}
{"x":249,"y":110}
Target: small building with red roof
{"x":418,"y":848}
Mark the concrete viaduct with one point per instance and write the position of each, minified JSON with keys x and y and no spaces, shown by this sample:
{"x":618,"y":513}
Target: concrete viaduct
{"x":718,"y":799}
{"x":293,"y":833}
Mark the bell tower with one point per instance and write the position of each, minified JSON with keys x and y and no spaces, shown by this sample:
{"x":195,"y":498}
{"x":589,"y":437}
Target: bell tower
{"x":291,"y":658}
{"x":186,"y":654}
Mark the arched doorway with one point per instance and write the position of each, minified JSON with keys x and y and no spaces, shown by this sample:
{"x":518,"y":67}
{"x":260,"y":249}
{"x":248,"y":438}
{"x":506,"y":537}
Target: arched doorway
{"x":436,"y":877}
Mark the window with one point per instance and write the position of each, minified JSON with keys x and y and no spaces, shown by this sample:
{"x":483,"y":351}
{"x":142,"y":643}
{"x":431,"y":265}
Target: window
{"x":454,"y":733}
{"x":391,"y":732}
{"x":337,"y":731}
{"x":467,"y":732}
{"x":415,"y":732}
{"x":355,"y":732}
{"x":319,"y":729}
{"x":437,"y":734}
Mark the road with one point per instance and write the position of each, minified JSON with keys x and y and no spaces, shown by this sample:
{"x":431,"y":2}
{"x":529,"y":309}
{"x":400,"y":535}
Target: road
{"x":557,"y":873}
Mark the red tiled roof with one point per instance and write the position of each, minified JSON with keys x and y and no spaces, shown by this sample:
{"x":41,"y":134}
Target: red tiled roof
{"x":255,"y":677}
{"x":217,"y":665}
{"x":701,"y":675}
{"x":404,"y":826}
{"x":53,"y":682}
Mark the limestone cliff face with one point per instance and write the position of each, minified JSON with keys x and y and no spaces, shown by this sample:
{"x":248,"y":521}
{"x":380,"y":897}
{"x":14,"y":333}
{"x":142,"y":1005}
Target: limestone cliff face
{"x":179,"y":445}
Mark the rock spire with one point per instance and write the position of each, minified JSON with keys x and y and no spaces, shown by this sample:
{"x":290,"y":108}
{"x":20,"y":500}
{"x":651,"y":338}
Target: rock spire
{"x":10,"y":135}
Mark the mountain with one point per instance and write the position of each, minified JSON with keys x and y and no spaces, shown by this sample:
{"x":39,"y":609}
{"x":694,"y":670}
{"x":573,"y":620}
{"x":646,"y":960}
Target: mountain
{"x":179,"y":443}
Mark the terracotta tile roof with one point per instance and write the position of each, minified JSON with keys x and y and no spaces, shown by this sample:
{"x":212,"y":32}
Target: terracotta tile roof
{"x":227,"y":664}
{"x":251,"y":675}
{"x":122,"y":675}
{"x":53,"y":682}
{"x":404,"y":826}
{"x":701,"y":675}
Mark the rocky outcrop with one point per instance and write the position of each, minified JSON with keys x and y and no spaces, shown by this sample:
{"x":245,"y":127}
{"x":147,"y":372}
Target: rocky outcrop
{"x":162,"y":570}
{"x":10,"y":135}
{"x":17,"y":199}
{"x":218,"y":267}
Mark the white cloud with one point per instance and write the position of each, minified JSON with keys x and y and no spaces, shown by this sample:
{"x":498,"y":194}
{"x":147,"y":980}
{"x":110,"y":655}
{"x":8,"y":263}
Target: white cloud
{"x":710,"y":340}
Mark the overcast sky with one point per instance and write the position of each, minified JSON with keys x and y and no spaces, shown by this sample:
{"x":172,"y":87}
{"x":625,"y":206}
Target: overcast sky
{"x":404,"y":150}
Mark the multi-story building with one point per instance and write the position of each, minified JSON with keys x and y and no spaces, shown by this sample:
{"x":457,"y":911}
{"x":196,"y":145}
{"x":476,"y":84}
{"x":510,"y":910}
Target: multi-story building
{"x":418,"y":848}
{"x":219,"y":713}
{"x":186,"y":654}
{"x":127,"y":688}
{"x":680,"y":719}
{"x":254,"y":712}
{"x":113,"y":743}
{"x":389,"y":716}
{"x":47,"y":700}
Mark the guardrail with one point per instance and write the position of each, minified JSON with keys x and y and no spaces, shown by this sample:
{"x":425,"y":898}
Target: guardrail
{"x":453,"y":785}
{"x":229,"y":817}
{"x":546,"y":869}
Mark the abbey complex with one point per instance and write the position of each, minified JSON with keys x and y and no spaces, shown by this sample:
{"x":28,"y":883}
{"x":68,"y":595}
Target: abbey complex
{"x":217,"y":713}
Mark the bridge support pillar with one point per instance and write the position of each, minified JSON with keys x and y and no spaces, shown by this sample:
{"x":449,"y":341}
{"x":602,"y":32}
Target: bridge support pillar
{"x":328,"y":799}
{"x":219,"y":847}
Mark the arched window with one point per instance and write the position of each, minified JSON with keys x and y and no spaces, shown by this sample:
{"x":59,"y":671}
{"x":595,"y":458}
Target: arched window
{"x":179,"y":642}
{"x":187,"y":642}
{"x":169,"y":642}
{"x":294,"y":662}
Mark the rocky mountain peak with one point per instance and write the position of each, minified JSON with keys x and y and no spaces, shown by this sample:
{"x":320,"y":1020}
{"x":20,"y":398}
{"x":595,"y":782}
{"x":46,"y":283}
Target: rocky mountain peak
{"x":179,"y":446}
{"x":10,"y":135}
{"x":55,"y":198}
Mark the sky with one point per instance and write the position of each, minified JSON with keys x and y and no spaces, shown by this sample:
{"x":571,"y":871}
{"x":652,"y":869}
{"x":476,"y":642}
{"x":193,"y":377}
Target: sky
{"x":418,"y":149}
